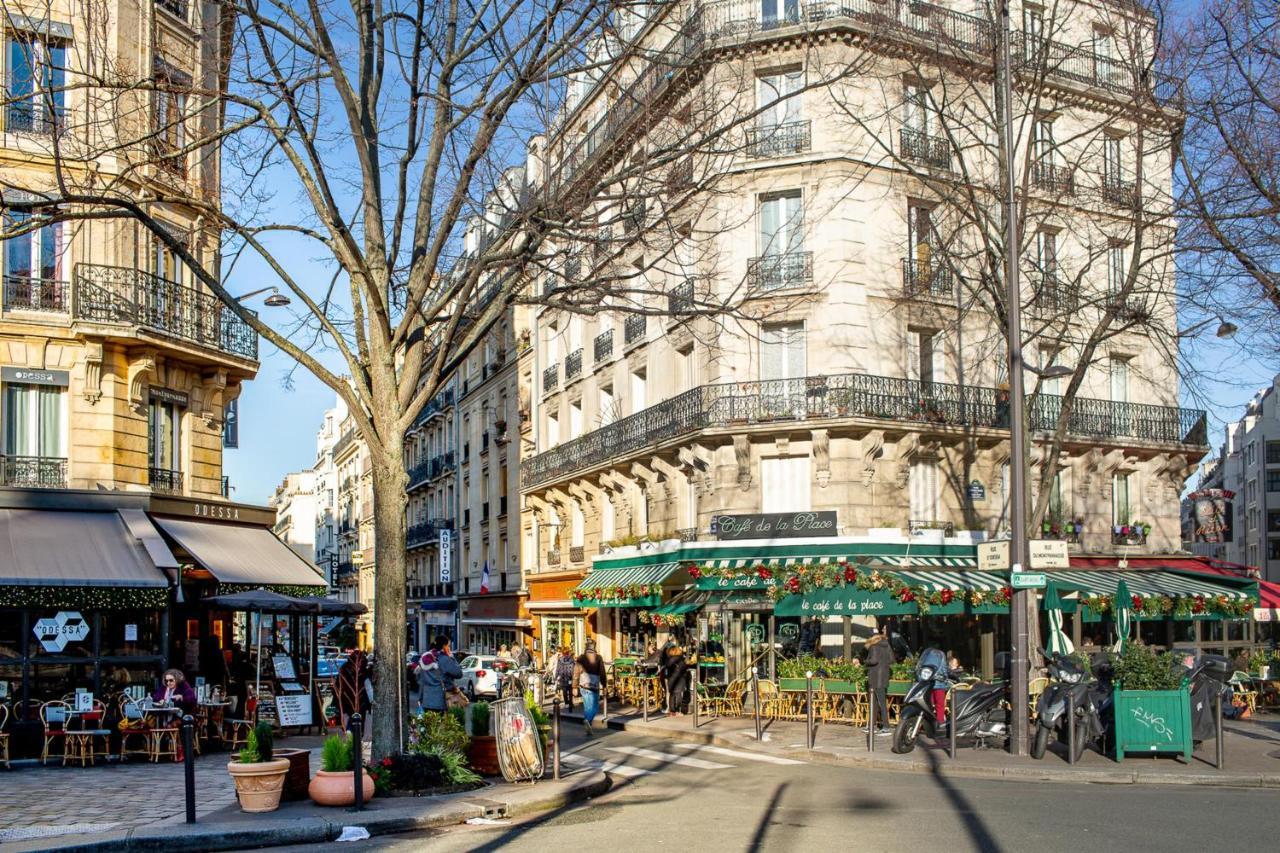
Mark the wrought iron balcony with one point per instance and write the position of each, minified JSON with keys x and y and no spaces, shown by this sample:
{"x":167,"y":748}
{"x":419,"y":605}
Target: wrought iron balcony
{"x":780,"y":272}
{"x":915,"y":526}
{"x":346,"y":571}
{"x":602,"y":346}
{"x":573,"y":365}
{"x":554,"y":557}
{"x":420,"y":534}
{"x":124,"y":295}
{"x":634,"y":329}
{"x":926,"y":279}
{"x":174,"y":7}
{"x":688,"y":534}
{"x":550,"y":378}
{"x":23,"y":293}
{"x":918,"y":147}
{"x":1053,"y":178}
{"x":577,"y":554}
{"x":419,"y":474}
{"x":680,"y":300}
{"x":165,"y":480}
{"x":1119,"y":193}
{"x":853,"y":395}
{"x":35,"y":118}
{"x":438,"y":405}
{"x":33,"y":472}
{"x":779,"y":140}
{"x":1129,"y":307}
{"x":1053,"y":296}
{"x":1128,"y":534}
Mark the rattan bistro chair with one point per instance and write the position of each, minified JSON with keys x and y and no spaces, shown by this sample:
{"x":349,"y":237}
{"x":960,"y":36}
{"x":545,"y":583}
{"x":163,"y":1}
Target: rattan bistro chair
{"x":4,"y":735}
{"x":238,"y":730}
{"x":53,"y":719}
{"x":133,"y":726}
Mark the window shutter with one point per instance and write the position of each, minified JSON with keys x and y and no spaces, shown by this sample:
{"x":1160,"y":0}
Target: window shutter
{"x":771,"y":352}
{"x":939,"y":358}
{"x":913,"y":354}
{"x":795,"y":357}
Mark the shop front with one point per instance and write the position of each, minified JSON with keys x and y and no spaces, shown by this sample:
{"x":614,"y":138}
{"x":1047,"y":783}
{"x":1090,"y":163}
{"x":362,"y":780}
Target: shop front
{"x":436,"y":617}
{"x":554,"y":620}
{"x":491,"y":621}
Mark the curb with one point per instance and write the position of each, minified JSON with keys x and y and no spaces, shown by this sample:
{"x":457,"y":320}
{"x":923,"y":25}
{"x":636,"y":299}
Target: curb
{"x":1255,"y":779}
{"x":275,"y":832}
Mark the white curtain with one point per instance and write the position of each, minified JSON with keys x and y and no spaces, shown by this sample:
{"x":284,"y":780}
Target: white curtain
{"x":784,"y":484}
{"x":924,"y":491}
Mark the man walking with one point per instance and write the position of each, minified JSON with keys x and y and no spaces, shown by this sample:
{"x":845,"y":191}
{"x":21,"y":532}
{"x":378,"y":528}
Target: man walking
{"x":879,"y":663}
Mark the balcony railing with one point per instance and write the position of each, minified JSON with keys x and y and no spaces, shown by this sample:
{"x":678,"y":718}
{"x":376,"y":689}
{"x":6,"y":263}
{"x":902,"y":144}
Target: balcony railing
{"x":573,"y":365}
{"x":1130,"y":307}
{"x":165,"y":480}
{"x":22,"y":293}
{"x":31,"y":117}
{"x":174,"y":7}
{"x":915,"y":146}
{"x":780,"y":272}
{"x":125,"y":295}
{"x":853,"y":396}
{"x":225,"y":487}
{"x":680,"y":299}
{"x":438,"y":405}
{"x":1053,"y":296}
{"x":550,"y":378}
{"x":926,"y":279}
{"x":1128,"y":534}
{"x":33,"y":472}
{"x":1053,"y":178}
{"x":915,"y":526}
{"x":577,"y":554}
{"x":1119,"y":193}
{"x":419,"y":474}
{"x":779,"y":140}
{"x":634,"y":328}
{"x":553,"y":557}
{"x":602,"y":346}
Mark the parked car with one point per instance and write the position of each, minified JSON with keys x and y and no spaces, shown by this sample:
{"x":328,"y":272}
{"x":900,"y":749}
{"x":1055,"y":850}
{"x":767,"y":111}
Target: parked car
{"x":479,"y":676}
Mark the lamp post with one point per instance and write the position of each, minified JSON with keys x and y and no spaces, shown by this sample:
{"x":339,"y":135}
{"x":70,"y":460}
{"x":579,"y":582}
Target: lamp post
{"x":1226,"y":329}
{"x":275,"y":300}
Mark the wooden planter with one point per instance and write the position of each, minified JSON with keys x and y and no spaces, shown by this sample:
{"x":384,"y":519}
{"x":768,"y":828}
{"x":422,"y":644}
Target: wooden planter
{"x":482,"y":755}
{"x":299,"y":776}
{"x":1148,"y":721}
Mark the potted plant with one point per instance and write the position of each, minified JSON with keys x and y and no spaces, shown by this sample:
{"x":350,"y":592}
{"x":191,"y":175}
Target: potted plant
{"x":334,"y":784}
{"x":258,"y":775}
{"x":482,"y":752}
{"x":1152,"y":703}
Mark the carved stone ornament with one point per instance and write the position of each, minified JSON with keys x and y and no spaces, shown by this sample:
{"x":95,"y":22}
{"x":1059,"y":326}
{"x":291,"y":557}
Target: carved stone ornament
{"x":822,"y":456}
{"x":142,"y":371}
{"x":742,"y":454}
{"x":93,"y":372}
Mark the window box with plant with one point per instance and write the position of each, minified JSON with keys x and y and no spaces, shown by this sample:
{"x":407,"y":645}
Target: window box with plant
{"x":334,"y":783}
{"x":1152,"y":703}
{"x":258,"y":774}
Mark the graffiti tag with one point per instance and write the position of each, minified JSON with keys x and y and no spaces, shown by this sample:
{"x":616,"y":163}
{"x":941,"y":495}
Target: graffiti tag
{"x":1151,"y":721}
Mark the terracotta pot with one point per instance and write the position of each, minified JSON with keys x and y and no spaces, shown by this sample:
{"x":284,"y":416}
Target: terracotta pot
{"x":482,"y":755}
{"x":258,"y":785}
{"x":337,"y":788}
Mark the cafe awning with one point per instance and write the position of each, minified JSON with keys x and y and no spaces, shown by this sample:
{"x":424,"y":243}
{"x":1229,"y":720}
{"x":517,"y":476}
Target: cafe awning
{"x":241,"y":553}
{"x":942,"y":592}
{"x":625,"y":586}
{"x":1146,"y":584}
{"x":47,"y":548}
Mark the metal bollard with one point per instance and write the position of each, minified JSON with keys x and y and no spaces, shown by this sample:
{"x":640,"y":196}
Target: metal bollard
{"x":1071,"y":727}
{"x":755,"y":703}
{"x":693,"y":702}
{"x":644,"y":688}
{"x":555,"y":737}
{"x":189,"y":764}
{"x":871,"y":721}
{"x":951,"y":720}
{"x":357,"y":766}
{"x":1219,"y":754}
{"x":808,"y":708}
{"x":604,"y":705}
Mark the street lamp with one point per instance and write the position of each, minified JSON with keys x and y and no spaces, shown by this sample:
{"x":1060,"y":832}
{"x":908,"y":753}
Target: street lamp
{"x":1226,"y":328}
{"x":275,"y":300}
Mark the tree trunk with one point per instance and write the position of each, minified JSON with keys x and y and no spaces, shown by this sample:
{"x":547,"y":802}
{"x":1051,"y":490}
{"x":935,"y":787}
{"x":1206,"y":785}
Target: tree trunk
{"x":390,"y":702}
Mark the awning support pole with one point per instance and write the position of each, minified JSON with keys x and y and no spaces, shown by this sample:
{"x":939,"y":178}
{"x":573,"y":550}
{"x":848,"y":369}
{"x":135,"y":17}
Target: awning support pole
{"x":848,"y":637}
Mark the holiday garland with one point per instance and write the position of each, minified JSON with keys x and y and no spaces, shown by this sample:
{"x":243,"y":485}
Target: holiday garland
{"x":295,"y":590}
{"x":1177,"y":606}
{"x":85,"y":597}
{"x":660,"y":620}
{"x":616,"y":594}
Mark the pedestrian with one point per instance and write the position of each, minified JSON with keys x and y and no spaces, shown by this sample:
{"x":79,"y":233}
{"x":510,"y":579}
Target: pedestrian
{"x":879,"y":662}
{"x":350,"y":690}
{"x":564,"y":668}
{"x":590,"y":677}
{"x":811,"y":636}
{"x":504,"y":652}
{"x":177,"y":692}
{"x":675,"y":673}
{"x":436,"y":673}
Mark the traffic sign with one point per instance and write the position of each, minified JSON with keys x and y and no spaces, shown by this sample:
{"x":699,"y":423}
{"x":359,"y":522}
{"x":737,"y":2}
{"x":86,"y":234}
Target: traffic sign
{"x":1027,"y":580}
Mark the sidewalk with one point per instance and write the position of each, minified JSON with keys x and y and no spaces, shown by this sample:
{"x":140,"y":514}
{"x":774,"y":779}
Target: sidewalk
{"x":1251,"y":752}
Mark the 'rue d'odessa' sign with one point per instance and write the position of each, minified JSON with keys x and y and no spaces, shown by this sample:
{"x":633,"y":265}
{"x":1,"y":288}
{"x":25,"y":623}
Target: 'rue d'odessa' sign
{"x":775,"y":525}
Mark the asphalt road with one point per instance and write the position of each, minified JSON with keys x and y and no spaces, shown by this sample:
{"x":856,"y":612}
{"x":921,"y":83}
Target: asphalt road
{"x":671,"y":796}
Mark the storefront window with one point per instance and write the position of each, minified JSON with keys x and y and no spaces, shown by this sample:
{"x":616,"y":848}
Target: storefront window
{"x":55,"y":680}
{"x":130,"y":633}
{"x":10,"y":682}
{"x":487,"y":641}
{"x":1184,"y":631}
{"x":11,"y":634}
{"x":558,"y":631}
{"x":75,"y":633}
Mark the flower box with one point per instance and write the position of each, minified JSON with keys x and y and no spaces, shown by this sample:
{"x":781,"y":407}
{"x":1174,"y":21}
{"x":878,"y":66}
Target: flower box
{"x":1148,"y":721}
{"x":850,"y":688}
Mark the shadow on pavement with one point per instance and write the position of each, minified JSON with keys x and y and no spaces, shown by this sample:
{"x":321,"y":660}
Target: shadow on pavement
{"x":973,"y":823}
{"x":762,"y":828}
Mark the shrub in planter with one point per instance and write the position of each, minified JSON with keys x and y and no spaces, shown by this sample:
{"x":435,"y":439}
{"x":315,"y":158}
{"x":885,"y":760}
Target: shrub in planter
{"x":258,"y":774}
{"x":482,"y":753}
{"x":1152,"y":706}
{"x":444,"y":736}
{"x":334,"y":784}
{"x":409,"y":772}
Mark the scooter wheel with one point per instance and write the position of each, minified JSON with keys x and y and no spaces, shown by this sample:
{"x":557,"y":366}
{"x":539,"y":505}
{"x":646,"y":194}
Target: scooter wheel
{"x":904,"y":736}
{"x":1082,"y":738}
{"x":1041,"y":742}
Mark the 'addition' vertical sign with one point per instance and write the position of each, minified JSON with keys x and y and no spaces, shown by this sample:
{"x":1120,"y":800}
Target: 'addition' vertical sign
{"x":446,"y":556}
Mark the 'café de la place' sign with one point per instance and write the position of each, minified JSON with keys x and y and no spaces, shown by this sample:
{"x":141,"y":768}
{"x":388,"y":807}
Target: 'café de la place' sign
{"x":775,"y":525}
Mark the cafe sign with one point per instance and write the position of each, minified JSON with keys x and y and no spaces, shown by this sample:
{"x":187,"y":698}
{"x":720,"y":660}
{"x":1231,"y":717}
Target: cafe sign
{"x":35,"y":376}
{"x":68,"y":626}
{"x":774,"y":525}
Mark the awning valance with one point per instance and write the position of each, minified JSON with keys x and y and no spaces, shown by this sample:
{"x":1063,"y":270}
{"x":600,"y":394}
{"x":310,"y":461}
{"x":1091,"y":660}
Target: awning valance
{"x":241,"y":553}
{"x":1193,"y":595}
{"x":897,"y":592}
{"x":630,"y":586}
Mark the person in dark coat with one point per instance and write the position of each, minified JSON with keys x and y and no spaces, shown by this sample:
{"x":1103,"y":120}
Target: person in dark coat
{"x":351,"y":695}
{"x":177,"y":691}
{"x":879,"y":662}
{"x":675,"y":673}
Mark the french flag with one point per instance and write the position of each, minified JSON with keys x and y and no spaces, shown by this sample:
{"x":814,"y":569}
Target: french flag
{"x":484,"y":578}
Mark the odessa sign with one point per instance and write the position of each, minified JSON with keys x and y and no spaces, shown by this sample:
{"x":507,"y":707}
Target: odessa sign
{"x":67,"y":627}
{"x":774,"y":525}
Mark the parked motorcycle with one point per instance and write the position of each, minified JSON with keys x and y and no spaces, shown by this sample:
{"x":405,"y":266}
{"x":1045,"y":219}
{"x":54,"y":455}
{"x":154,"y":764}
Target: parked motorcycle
{"x":1092,"y":699}
{"x":981,"y":720}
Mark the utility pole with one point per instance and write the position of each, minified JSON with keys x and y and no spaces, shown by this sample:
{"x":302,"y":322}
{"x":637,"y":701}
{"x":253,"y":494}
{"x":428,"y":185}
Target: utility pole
{"x":1018,"y":553}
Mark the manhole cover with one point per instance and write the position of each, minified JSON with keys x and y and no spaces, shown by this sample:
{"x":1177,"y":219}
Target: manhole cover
{"x":24,"y":832}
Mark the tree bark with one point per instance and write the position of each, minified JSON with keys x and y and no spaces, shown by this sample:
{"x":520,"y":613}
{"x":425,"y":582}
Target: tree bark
{"x":389,"y":504}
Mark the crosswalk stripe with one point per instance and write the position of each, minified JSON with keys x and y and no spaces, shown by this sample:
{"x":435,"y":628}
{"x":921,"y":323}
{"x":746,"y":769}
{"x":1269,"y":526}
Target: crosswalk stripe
{"x":606,"y":766}
{"x":733,"y":753}
{"x":668,"y":758}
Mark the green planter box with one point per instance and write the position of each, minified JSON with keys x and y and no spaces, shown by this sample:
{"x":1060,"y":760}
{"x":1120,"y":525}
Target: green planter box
{"x":899,"y":688}
{"x":833,"y":685}
{"x":795,"y":684}
{"x":1148,"y":721}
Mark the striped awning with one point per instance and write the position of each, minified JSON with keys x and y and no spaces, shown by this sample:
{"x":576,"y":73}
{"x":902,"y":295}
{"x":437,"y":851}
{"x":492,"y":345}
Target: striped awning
{"x":774,"y":562}
{"x":965,"y":579}
{"x":907,"y":561}
{"x":629,"y":576}
{"x":1145,"y":584}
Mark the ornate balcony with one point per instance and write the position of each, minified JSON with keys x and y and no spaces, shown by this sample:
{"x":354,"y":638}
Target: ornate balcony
{"x":1053,"y":296}
{"x":573,"y":365}
{"x":634,"y":329}
{"x":779,"y":140}
{"x":135,"y":298}
{"x":1119,"y":193}
{"x":854,"y":395}
{"x":23,"y":293}
{"x":602,"y":346}
{"x":577,"y":554}
{"x":1054,"y":179}
{"x":550,"y":378}
{"x":553,"y":557}
{"x":33,"y":472}
{"x":165,"y":480}
{"x":680,"y":299}
{"x":914,"y":146}
{"x":923,"y":279}
{"x":780,"y":272}
{"x":34,"y":118}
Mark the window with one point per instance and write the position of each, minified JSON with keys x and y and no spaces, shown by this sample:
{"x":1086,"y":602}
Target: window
{"x":166,"y":264}
{"x":1273,"y":549}
{"x":782,"y":351}
{"x":33,"y":265}
{"x":689,"y":507}
{"x":1112,"y":165}
{"x":1273,"y":481}
{"x":1273,"y":452}
{"x":1117,"y":268}
{"x":577,"y":527}
{"x":639,"y":394}
{"x":1052,"y":385}
{"x":33,"y":421}
{"x":784,"y":484}
{"x":1119,"y":373}
{"x":775,"y":13}
{"x":608,"y":411}
{"x":608,"y":520}
{"x":1043,"y":147}
{"x":164,"y":443}
{"x":1033,"y":22}
{"x":915,"y":105}
{"x":575,"y":419}
{"x":924,"y":495}
{"x":1120,"y":507}
{"x":1046,"y":248}
{"x":35,"y":69}
{"x":1057,"y":499}
{"x":781,"y":224}
{"x":686,"y":369}
{"x":170,"y":120}
{"x":553,"y":431}
{"x":925,"y":358}
{"x":778,"y":99}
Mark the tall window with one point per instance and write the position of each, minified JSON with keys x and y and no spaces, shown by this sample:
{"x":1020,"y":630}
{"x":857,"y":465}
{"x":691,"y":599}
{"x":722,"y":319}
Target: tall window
{"x":921,"y":238}
{"x":1044,"y":149}
{"x":35,"y":70}
{"x":553,"y":431}
{"x":608,"y":520}
{"x":170,"y":121}
{"x":778,"y":99}
{"x":1120,"y":507}
{"x":923,"y":483}
{"x":1033,"y":22}
{"x":1117,"y":268}
{"x":33,"y":421}
{"x":33,"y":265}
{"x":165,"y":435}
{"x":575,"y":419}
{"x":781,"y":224}
{"x":784,"y":484}
{"x":577,"y":527}
{"x":782,"y":351}
{"x":1119,"y":369}
{"x":774,"y":13}
{"x":1057,"y":500}
{"x":639,"y":390}
{"x":915,"y":104}
{"x":1112,"y":165}
{"x":1052,"y":385}
{"x":925,"y":356}
{"x":1047,"y":254}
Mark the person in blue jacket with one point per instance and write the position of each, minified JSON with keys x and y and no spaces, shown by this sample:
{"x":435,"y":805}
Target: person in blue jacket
{"x":437,"y":671}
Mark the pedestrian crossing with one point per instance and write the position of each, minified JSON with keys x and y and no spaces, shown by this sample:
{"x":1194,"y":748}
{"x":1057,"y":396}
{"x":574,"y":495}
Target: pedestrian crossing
{"x":633,"y":762}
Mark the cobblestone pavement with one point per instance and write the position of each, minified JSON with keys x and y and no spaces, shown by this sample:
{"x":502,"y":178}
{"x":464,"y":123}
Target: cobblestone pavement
{"x":40,"y":801}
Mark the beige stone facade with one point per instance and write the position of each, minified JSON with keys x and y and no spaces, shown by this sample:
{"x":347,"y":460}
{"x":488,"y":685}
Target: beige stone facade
{"x":152,"y":362}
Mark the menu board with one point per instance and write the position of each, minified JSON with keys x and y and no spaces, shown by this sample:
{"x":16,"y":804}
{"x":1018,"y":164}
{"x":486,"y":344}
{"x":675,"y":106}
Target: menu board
{"x":267,"y":705}
{"x":328,"y":706}
{"x":294,"y":710}
{"x":284,"y":667}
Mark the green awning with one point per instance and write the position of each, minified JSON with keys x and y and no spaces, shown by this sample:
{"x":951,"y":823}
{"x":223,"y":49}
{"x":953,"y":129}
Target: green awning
{"x":851,"y":600}
{"x":966,"y":579}
{"x":639,"y":585}
{"x":774,"y":563}
{"x":1153,"y":584}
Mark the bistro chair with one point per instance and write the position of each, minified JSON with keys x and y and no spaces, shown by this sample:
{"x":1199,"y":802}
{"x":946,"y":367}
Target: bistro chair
{"x":1242,"y":691}
{"x":728,"y":703}
{"x":4,"y":735}
{"x":772,"y":703}
{"x":53,"y":719}
{"x":94,"y":734}
{"x":133,"y":725}
{"x":238,"y":730}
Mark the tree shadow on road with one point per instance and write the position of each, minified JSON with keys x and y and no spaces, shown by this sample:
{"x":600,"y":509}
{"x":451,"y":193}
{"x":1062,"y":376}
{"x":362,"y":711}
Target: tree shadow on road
{"x":973,"y":822}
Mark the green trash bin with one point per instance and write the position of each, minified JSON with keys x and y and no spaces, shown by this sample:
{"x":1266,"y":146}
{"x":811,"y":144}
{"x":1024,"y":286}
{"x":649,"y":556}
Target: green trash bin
{"x":1148,"y":721}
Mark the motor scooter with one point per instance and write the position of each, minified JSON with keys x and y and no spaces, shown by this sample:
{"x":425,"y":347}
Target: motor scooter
{"x":1091,"y":698}
{"x":981,"y":718}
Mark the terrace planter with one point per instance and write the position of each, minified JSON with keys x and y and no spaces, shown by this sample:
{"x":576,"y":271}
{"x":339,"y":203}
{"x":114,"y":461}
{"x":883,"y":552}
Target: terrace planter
{"x":482,"y":755}
{"x":297,"y":780}
{"x":850,"y":688}
{"x":259,"y":784}
{"x":338,"y":788}
{"x":1148,"y":721}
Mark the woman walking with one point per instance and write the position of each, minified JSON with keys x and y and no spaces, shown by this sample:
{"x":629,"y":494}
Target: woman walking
{"x":590,"y":676}
{"x":565,"y":666}
{"x":675,"y":672}
{"x":436,"y":674}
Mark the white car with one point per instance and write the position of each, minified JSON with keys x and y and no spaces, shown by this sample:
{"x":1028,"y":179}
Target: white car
{"x":479,"y":676}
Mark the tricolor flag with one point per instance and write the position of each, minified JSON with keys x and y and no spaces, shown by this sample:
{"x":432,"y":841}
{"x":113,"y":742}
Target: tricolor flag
{"x":484,"y":578}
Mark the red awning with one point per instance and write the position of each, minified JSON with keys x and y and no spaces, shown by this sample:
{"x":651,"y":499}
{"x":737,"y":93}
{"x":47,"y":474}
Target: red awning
{"x":1268,"y":609}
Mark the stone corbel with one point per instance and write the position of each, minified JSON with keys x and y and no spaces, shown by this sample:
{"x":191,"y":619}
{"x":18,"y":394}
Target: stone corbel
{"x":644,"y":474}
{"x":213,"y":398}
{"x":142,"y":372}
{"x":93,"y":372}
{"x":821,"y":456}
{"x":907,"y":448}
{"x":616,"y":482}
{"x":668,"y":471}
{"x":1090,"y":467}
{"x":871,"y":448}
{"x":742,"y":455}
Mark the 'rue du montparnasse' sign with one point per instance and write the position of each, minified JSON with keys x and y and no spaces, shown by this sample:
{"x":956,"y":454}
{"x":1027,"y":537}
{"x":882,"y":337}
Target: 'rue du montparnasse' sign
{"x":775,"y":525}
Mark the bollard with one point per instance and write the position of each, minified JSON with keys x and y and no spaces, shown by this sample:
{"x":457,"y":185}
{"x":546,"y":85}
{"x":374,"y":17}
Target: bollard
{"x":755,"y":703}
{"x":808,"y":708}
{"x":644,"y":688}
{"x":951,"y":721}
{"x":693,"y":701}
{"x":1070,"y":728}
{"x":555,"y":737}
{"x":604,"y":705}
{"x":1219,"y":754}
{"x":871,"y":721}
{"x":189,"y":765}
{"x":357,"y":766}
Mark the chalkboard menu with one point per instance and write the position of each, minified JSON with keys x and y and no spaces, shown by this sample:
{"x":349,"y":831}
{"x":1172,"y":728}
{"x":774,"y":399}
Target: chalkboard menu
{"x":267,"y":705}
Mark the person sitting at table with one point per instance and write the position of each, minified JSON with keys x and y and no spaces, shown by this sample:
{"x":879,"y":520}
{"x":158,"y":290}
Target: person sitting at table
{"x":176,"y":690}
